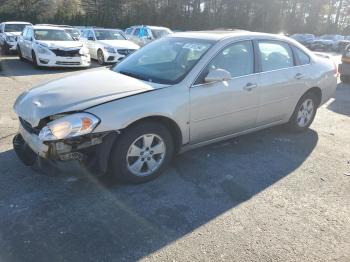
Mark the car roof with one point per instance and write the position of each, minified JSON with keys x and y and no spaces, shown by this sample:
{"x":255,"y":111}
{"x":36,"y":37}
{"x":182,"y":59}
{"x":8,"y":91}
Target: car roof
{"x":47,"y":27}
{"x":218,"y":35}
{"x":16,"y":22}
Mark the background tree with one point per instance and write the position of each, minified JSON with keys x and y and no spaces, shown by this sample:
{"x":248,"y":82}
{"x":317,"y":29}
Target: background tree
{"x":291,"y":16}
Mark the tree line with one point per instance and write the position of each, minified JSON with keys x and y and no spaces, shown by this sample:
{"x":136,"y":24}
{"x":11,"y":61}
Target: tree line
{"x":290,"y":16}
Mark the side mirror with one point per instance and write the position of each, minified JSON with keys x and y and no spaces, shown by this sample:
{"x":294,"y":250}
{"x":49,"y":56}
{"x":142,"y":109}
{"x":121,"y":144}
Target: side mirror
{"x":217,"y":75}
{"x":91,"y":38}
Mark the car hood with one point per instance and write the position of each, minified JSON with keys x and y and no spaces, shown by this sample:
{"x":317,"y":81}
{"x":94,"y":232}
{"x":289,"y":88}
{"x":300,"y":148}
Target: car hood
{"x":126,"y":44}
{"x":77,"y":92}
{"x":60,"y":44}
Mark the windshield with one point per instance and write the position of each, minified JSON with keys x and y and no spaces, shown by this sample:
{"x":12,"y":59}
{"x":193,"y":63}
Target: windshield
{"x":109,"y":35}
{"x":166,"y":61}
{"x":159,"y":33}
{"x":14,"y":27}
{"x":51,"y":35}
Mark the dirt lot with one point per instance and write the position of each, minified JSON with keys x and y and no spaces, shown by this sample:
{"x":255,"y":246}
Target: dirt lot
{"x":268,"y":196}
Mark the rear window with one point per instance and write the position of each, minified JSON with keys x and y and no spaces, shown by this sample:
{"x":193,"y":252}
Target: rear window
{"x":303,"y":58}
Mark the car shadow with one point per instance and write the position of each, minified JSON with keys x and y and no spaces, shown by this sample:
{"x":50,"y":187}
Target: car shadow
{"x":68,"y":218}
{"x":12,"y":66}
{"x":341,"y":103}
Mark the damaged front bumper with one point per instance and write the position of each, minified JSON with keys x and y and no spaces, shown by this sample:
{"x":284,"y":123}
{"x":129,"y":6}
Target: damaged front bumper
{"x":89,"y":152}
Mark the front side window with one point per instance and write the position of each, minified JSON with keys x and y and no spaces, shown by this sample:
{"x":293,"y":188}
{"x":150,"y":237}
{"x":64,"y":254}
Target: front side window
{"x":237,"y":59}
{"x":166,"y":61}
{"x":30,"y":34}
{"x":109,"y":35}
{"x":90,"y":34}
{"x":303,"y":58}
{"x":51,"y":35}
{"x":14,"y":27}
{"x":275,"y":55}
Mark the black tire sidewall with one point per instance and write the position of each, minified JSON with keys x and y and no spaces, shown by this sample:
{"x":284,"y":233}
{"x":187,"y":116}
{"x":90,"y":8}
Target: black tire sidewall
{"x":103,"y":58}
{"x":119,"y":168}
{"x":20,"y":53}
{"x":35,"y":62}
{"x":345,"y":79}
{"x":293,"y":122}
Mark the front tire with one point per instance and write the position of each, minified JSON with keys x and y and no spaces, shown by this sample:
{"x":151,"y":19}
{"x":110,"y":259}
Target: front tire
{"x":142,"y":153}
{"x":20,"y":53}
{"x":304,"y":113}
{"x":100,"y":57}
{"x":34,"y":60}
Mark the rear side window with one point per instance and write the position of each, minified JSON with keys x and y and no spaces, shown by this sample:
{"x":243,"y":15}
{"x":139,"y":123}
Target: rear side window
{"x":275,"y":55}
{"x":302,"y":57}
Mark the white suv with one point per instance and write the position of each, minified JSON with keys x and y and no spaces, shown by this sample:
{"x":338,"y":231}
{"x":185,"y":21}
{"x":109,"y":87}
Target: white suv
{"x":143,"y":35}
{"x":52,"y":47}
{"x":107,"y":45}
{"x":9,"y":31}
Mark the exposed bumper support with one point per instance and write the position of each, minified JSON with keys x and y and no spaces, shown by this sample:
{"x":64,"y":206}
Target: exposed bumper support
{"x":89,"y":152}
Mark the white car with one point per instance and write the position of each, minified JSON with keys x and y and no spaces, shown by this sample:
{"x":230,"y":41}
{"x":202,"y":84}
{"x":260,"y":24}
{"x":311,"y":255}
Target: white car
{"x":143,"y":35}
{"x":107,"y":45}
{"x":52,"y":47}
{"x":9,"y":31}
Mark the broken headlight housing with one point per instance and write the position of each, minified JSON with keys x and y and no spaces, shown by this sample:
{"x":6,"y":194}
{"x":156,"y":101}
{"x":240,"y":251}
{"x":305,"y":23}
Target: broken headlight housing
{"x":69,"y":126}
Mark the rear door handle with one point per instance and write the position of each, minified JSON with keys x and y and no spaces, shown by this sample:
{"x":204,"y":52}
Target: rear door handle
{"x":250,"y":86}
{"x":299,"y":76}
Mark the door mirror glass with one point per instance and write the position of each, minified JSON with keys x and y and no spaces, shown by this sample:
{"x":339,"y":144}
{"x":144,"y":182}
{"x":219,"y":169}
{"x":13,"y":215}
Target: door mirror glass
{"x":90,"y":38}
{"x":217,"y":75}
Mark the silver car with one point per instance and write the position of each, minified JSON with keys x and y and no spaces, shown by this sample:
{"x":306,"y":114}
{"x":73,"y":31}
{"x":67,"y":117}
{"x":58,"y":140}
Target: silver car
{"x":177,"y":93}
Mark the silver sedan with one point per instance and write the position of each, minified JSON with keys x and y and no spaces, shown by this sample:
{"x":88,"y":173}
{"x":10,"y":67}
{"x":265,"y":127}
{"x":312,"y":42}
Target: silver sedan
{"x":180,"y":92}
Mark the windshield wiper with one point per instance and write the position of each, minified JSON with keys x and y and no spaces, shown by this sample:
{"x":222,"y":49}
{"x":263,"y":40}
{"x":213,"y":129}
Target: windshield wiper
{"x":135,"y":76}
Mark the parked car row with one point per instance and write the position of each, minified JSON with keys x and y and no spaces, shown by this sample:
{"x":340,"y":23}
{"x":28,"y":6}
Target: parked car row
{"x":336,"y":43}
{"x":47,"y":45}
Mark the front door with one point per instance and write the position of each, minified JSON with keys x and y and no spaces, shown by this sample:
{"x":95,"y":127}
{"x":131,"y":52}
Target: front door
{"x":226,"y":107}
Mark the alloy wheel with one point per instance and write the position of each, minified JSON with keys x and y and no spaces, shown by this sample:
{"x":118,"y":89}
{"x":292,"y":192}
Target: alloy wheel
{"x":146,"y":155}
{"x":305,"y":113}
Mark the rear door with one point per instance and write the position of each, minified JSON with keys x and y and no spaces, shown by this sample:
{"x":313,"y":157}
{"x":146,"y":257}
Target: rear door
{"x":281,"y":81}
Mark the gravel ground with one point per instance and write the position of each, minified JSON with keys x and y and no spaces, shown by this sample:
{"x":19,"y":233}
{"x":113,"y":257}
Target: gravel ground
{"x":268,"y":196}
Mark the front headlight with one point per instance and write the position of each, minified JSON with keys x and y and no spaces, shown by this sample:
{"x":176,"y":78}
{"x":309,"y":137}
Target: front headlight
{"x":84,"y":51}
{"x":69,"y":126}
{"x":44,"y":51}
{"x":109,"y":49}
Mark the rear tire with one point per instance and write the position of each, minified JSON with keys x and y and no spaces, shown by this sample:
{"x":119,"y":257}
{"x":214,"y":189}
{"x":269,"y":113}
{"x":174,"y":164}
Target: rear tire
{"x":345,"y":79}
{"x":142,"y":153}
{"x":304,"y":113}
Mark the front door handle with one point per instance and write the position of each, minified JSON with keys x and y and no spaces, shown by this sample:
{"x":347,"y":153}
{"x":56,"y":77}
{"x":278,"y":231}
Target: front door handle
{"x":250,"y":86}
{"x":299,"y":76}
